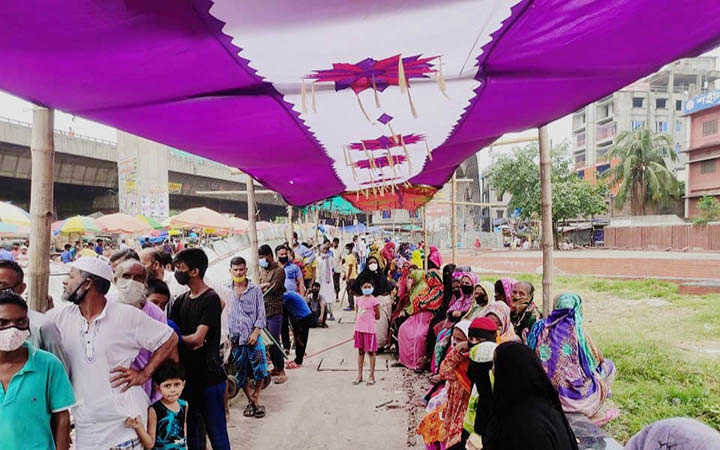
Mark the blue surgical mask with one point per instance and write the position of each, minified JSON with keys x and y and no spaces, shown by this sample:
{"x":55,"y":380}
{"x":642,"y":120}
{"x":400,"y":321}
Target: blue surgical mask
{"x":367,"y":291}
{"x":263,"y":263}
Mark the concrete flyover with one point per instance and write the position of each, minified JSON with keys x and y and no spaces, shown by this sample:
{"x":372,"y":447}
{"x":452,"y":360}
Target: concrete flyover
{"x":86,"y":176}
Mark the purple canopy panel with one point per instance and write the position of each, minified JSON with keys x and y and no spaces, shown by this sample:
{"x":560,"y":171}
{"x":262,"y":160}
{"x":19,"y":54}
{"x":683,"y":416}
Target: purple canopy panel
{"x":224,"y":80}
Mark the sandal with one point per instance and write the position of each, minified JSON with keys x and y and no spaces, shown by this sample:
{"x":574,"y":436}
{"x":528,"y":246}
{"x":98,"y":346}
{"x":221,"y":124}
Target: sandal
{"x":280,"y":379}
{"x":356,"y":382}
{"x":249,"y":410}
{"x":292,"y":365}
{"x":371,"y":382}
{"x":259,"y":412}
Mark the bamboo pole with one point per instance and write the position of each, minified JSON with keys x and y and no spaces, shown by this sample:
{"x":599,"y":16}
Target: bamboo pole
{"x":453,"y":221}
{"x":291,"y":228}
{"x":42,"y":151}
{"x":425,"y":236}
{"x":547,"y":232}
{"x":252,"y":229}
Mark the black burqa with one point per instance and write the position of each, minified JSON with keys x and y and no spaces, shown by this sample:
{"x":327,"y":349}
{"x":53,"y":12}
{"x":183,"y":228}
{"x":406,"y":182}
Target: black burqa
{"x":381,"y":285}
{"x":523,"y":411}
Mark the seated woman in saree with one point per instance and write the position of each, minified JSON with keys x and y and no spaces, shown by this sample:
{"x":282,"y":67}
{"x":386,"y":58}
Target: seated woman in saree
{"x":522,"y":409}
{"x":499,"y":312}
{"x":503,"y":290}
{"x":383,"y":287}
{"x":426,"y":297}
{"x":442,"y":427}
{"x":574,"y":365}
{"x":449,"y":283}
{"x":484,"y":295}
{"x":524,"y":312}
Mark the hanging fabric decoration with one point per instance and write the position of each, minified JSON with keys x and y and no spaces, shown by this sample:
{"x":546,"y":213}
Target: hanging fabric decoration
{"x":439,"y":79}
{"x":303,"y":100}
{"x":375,"y":91}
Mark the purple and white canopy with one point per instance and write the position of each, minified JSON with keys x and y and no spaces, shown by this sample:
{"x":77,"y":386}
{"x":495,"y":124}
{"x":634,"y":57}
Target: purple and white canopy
{"x":286,"y":90}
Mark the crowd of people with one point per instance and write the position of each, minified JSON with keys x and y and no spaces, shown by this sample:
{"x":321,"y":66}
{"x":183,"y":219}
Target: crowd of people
{"x":143,"y":352}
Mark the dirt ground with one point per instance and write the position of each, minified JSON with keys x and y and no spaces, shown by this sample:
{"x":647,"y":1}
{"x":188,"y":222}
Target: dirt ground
{"x":319,"y":408}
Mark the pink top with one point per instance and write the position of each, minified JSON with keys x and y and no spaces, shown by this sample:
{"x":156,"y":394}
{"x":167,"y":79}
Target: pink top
{"x":365,"y":316}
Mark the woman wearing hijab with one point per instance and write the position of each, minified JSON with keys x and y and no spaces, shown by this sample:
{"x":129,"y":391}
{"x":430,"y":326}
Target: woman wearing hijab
{"x":484,"y":295}
{"x":503,"y":290}
{"x":441,"y":313}
{"x":426,"y":297}
{"x":499,"y":312}
{"x":454,"y":371}
{"x":574,"y":366}
{"x":373,"y":273}
{"x":521,"y":410}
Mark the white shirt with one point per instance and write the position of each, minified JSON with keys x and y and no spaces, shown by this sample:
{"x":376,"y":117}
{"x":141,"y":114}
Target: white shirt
{"x":112,"y":339}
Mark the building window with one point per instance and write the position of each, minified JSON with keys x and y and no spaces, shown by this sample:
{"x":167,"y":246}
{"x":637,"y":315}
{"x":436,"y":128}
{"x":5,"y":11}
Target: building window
{"x":707,"y":166}
{"x":638,"y":102}
{"x":603,"y":168}
{"x":637,"y":124}
{"x":500,"y":213}
{"x":660,"y":103}
{"x":387,"y":214}
{"x":580,"y":140}
{"x":581,"y":174}
{"x":498,"y":197}
{"x":678,"y":126}
{"x":606,"y":110}
{"x":661,"y":126}
{"x":602,"y":150}
{"x":580,"y":159}
{"x":605,"y":131}
{"x":678,"y":105}
{"x":710,"y":127}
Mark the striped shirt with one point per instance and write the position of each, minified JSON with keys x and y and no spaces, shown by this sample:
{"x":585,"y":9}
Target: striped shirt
{"x":246,"y":313}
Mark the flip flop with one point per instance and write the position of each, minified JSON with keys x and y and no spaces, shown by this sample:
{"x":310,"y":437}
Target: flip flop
{"x":280,"y":379}
{"x":356,"y":382}
{"x":292,"y":365}
{"x":249,"y":410}
{"x":259,"y":412}
{"x":370,"y":382}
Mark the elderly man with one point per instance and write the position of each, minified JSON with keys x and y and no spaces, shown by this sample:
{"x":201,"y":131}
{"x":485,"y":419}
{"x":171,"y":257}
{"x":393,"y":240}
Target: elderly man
{"x":129,"y":277}
{"x":524,"y":311}
{"x":102,"y":339}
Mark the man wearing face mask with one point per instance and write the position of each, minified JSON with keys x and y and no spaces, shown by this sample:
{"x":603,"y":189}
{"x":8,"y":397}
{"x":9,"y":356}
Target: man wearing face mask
{"x":102,"y":339}
{"x":36,"y":394}
{"x":152,"y":259}
{"x":129,"y":276}
{"x":43,"y":332}
{"x":272,"y":283}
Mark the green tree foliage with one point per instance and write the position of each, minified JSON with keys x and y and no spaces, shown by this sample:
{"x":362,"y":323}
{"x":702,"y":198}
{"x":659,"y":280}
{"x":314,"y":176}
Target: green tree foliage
{"x":709,"y":208}
{"x":642,"y":175}
{"x":519,"y":175}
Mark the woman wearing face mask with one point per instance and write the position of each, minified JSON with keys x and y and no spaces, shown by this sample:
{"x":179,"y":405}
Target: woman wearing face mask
{"x":382,"y":287}
{"x":442,"y":427}
{"x":426,"y":297}
{"x":484,"y":295}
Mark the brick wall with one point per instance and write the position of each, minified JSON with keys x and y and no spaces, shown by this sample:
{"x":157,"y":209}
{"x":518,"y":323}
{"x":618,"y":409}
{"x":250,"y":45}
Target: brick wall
{"x":670,"y":237}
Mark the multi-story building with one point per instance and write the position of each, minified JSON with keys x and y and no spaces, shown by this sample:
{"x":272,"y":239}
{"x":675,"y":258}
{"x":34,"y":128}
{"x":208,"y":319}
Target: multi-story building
{"x":655,"y":101}
{"x":703,"y":157}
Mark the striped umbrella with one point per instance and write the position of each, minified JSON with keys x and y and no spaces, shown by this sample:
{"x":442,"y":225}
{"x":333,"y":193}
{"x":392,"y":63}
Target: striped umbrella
{"x":76,"y":224}
{"x":13,"y":215}
{"x":150,"y":221}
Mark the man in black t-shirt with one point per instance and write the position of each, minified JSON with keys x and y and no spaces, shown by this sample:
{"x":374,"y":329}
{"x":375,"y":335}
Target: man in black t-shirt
{"x":197,"y":314}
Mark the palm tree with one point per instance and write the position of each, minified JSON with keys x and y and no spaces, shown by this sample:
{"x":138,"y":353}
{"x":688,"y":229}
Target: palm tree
{"x":642,"y":174}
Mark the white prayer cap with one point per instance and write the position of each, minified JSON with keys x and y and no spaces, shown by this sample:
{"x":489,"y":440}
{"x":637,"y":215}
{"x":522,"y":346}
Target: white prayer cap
{"x":95,"y":266}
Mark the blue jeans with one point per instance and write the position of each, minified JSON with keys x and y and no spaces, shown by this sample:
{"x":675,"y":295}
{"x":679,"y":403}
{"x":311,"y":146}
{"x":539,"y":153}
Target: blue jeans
{"x":274,"y":325}
{"x":207,"y":415}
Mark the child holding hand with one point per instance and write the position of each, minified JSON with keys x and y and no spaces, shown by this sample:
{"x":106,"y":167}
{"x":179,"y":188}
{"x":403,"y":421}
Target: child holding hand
{"x":167,"y":417}
{"x":367,"y":311}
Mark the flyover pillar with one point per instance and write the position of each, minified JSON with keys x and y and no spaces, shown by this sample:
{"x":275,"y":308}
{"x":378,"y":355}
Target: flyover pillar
{"x":142,"y":177}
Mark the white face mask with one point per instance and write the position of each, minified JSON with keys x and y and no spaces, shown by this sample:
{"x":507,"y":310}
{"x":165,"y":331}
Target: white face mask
{"x":131,"y":292}
{"x":373,"y":267}
{"x":12,"y":338}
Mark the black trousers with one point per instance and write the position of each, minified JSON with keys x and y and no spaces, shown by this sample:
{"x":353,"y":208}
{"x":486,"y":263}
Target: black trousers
{"x":301,"y":331}
{"x":350,"y":294}
{"x":336,"y":282}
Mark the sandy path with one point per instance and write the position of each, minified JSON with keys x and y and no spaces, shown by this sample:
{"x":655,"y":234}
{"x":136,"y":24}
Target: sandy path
{"x":322,"y":409}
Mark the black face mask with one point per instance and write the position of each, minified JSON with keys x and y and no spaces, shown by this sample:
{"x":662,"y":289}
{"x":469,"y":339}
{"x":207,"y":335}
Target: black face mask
{"x":467,"y":290}
{"x":283,"y":259}
{"x":315,"y":292}
{"x":182,"y":277}
{"x":457,"y":292}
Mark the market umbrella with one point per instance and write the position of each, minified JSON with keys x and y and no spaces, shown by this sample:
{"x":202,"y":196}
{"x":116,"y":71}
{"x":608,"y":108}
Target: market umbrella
{"x":77,"y":225}
{"x":13,"y":215}
{"x":122,"y":223}
{"x":12,"y":230}
{"x":200,"y":218}
{"x":154,"y":224}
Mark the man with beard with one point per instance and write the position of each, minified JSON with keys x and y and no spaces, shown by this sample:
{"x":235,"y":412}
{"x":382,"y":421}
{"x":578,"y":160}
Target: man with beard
{"x":102,"y":339}
{"x":154,"y":261}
